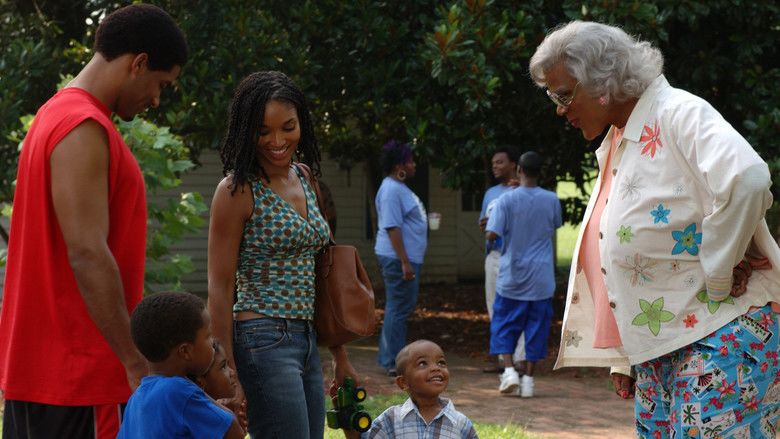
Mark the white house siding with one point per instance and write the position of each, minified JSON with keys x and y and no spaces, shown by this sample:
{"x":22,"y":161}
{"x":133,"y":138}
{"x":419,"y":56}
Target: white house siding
{"x":350,"y":193}
{"x":204,"y":179}
{"x":441,"y":257}
{"x":352,"y":198}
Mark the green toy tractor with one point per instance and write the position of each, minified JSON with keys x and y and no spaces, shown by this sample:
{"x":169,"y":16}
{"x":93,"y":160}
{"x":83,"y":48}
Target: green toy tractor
{"x":347,"y":413}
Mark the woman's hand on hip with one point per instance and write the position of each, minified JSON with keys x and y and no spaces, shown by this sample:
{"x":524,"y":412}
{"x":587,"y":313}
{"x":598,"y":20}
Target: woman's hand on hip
{"x":740,"y":278}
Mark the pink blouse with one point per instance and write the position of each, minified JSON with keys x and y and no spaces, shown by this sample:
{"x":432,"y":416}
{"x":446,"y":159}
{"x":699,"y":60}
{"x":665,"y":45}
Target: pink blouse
{"x":606,"y":334}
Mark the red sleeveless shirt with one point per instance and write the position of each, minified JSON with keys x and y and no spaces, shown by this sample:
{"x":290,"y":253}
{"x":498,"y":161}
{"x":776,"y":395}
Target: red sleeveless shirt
{"x":51,"y":352}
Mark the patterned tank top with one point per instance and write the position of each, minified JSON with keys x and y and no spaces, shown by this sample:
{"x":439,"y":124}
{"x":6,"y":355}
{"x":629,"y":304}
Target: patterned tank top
{"x":275,"y":274}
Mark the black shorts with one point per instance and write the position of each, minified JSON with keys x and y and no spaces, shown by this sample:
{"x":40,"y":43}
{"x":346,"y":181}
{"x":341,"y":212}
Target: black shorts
{"x":32,"y":420}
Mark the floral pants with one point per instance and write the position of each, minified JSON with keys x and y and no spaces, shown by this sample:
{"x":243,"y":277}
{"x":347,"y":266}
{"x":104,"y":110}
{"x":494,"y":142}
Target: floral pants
{"x":726,"y":385}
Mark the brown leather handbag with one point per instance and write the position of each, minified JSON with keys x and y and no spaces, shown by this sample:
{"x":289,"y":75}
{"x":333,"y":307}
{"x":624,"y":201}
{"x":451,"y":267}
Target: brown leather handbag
{"x":344,"y":304}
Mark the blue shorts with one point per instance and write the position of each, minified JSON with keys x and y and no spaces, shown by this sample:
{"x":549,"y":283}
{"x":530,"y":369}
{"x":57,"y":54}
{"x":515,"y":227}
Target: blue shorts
{"x":725,"y":385}
{"x":514,"y":317}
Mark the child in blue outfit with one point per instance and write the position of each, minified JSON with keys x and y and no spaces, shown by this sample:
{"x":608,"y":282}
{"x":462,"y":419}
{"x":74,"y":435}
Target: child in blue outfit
{"x":423,"y":374}
{"x":172,"y":331}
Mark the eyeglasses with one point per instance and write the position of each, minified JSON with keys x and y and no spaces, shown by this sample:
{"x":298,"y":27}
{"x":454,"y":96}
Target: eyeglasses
{"x":563,"y":101}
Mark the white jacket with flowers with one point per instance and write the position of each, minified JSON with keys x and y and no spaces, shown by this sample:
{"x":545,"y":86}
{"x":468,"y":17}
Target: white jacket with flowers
{"x":688,"y":193}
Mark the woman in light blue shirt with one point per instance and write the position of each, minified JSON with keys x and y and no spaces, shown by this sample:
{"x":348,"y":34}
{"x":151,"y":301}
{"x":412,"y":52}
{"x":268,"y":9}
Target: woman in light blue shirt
{"x":401,"y":240}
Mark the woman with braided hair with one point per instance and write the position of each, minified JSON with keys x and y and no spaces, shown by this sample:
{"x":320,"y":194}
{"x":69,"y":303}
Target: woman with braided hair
{"x":264,"y":231}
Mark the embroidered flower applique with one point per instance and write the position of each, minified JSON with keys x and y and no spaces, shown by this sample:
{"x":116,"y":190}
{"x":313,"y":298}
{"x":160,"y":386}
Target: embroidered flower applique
{"x":625,"y":234}
{"x":631,"y":187}
{"x":652,"y":137}
{"x":674,"y":266}
{"x":639,"y":269}
{"x":660,"y":214}
{"x":690,"y":321}
{"x":687,"y":240}
{"x":652,"y":315}
{"x":712,"y":305}
{"x":572,"y":338}
{"x":689,"y":281}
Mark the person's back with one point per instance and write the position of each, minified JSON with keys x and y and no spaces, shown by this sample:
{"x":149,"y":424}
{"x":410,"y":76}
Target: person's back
{"x":528,"y":217}
{"x":171,"y":407}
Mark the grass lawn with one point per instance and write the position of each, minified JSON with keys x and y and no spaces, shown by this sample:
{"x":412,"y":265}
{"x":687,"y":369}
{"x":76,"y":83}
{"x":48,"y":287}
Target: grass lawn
{"x":566,"y":237}
{"x":375,"y":405}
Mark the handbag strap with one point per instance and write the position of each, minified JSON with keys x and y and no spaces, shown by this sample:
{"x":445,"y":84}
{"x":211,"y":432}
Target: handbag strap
{"x":320,"y":202}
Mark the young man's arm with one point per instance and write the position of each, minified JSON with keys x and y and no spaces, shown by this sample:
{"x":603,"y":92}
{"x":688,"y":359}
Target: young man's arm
{"x":79,"y":190}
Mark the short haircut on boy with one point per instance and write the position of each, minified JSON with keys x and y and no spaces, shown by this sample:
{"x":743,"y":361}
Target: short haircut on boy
{"x":162,"y":321}
{"x":403,"y":355}
{"x":142,"y":28}
{"x":531,"y":163}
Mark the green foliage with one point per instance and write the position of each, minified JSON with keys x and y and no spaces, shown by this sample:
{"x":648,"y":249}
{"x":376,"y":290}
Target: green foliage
{"x":162,"y":156}
{"x":480,"y":50}
{"x":450,"y":77}
{"x":25,"y":64}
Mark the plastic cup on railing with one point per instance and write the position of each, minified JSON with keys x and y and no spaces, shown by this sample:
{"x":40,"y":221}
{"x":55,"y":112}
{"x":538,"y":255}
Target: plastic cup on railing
{"x":434,"y":219}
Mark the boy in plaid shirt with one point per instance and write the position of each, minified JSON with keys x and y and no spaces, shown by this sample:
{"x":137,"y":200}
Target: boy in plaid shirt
{"x":422,"y":373}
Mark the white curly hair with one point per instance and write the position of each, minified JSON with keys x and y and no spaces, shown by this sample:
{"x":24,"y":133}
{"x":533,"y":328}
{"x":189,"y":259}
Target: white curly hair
{"x":604,"y":59}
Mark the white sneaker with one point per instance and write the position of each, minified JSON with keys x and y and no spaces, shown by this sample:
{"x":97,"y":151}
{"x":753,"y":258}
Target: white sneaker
{"x":510,"y":381}
{"x":527,"y":387}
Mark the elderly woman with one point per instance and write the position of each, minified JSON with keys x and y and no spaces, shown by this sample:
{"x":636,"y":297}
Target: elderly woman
{"x":679,"y":202}
{"x":401,"y":239}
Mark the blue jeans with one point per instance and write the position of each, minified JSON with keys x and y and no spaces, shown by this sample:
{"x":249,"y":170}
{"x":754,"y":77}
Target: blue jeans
{"x":279,"y":368}
{"x":401,"y":299}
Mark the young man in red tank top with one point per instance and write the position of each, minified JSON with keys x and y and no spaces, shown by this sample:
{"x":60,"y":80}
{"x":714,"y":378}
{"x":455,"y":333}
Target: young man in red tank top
{"x":77,"y":238}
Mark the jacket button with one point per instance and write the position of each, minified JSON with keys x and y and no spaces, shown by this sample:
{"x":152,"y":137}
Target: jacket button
{"x":603,"y":270}
{"x":614,"y":171}
{"x":612,"y":305}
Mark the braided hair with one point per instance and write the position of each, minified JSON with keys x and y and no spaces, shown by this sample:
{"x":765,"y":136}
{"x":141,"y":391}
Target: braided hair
{"x":247,"y":112}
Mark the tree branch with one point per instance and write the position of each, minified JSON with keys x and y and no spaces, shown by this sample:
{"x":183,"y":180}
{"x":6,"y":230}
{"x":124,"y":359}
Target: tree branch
{"x":4,"y":234}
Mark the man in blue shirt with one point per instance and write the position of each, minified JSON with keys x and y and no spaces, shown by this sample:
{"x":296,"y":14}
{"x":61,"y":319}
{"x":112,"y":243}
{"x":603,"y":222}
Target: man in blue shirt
{"x":504,"y":167}
{"x":526,"y":219}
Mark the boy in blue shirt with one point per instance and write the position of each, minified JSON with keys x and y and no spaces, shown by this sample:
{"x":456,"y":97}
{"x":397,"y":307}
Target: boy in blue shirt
{"x":526,"y":219}
{"x":172,"y":330}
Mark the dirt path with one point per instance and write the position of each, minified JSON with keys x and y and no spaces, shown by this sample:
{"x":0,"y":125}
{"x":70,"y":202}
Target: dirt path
{"x":568,"y":404}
